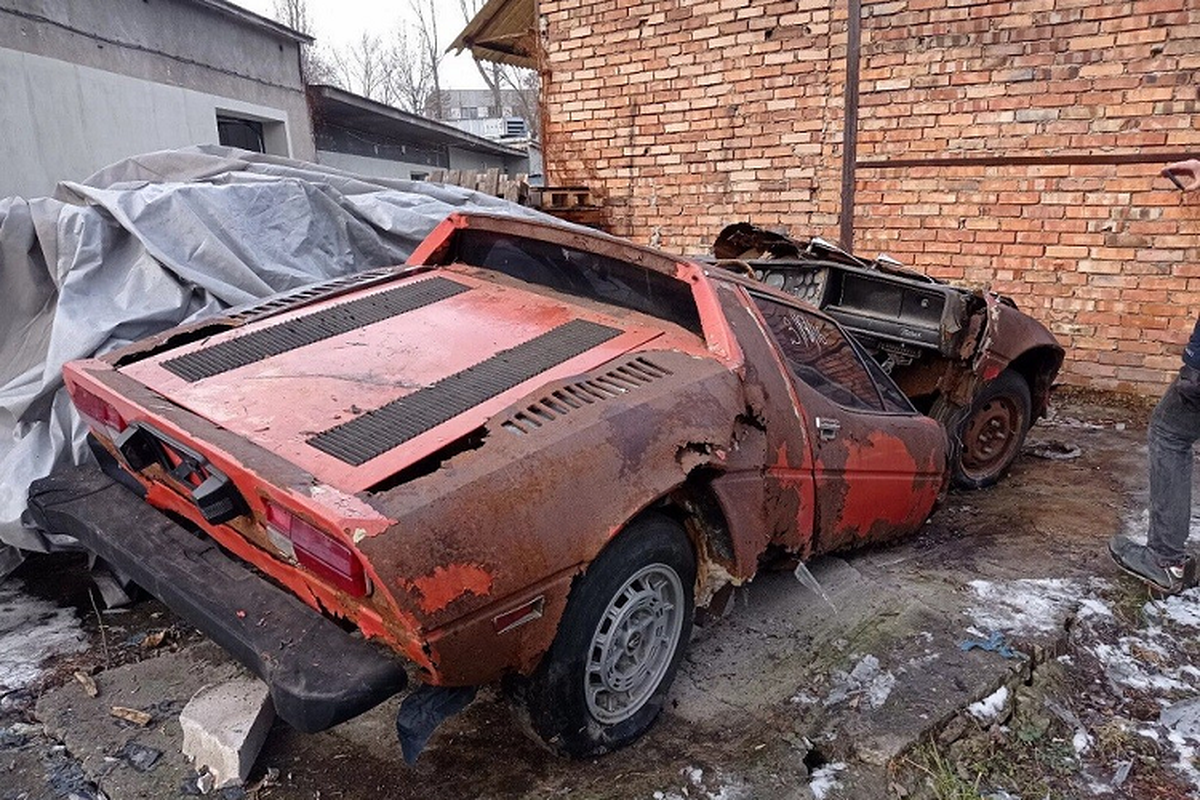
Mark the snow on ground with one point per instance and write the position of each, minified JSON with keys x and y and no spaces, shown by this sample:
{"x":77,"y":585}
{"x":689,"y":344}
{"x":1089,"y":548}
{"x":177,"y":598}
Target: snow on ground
{"x":696,"y":786}
{"x":1025,"y":606}
{"x":1153,"y":659}
{"x":991,"y":706}
{"x":824,"y":780}
{"x":32,"y":631}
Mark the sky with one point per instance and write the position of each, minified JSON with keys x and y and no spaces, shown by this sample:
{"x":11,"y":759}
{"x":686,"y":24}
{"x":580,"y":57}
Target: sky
{"x":339,"y":22}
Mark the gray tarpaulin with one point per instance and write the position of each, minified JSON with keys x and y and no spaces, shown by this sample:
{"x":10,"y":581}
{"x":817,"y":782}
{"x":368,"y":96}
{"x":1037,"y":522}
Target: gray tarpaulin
{"x":162,"y":239}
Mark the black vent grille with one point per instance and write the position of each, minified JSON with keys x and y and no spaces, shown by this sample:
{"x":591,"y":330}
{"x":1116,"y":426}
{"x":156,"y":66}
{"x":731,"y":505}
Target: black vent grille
{"x":304,"y":294}
{"x":376,"y":432}
{"x":561,"y":402}
{"x":306,"y":330}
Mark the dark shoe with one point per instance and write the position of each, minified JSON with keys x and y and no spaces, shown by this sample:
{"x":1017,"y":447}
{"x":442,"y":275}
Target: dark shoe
{"x":1141,"y":562}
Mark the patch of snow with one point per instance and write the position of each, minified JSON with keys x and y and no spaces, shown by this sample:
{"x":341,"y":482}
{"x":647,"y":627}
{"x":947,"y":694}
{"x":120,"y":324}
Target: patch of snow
{"x":1182,"y":609}
{"x":699,"y":788}
{"x":991,"y":706}
{"x":1093,"y":607}
{"x":824,"y":780}
{"x":1182,"y":721}
{"x":1123,"y":668}
{"x":1081,"y":741}
{"x":1024,"y":606}
{"x":804,"y":698}
{"x":866,"y":680}
{"x":31,"y":631}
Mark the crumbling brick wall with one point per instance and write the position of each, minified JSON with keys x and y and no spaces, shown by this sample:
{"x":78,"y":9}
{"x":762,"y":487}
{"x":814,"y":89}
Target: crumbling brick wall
{"x":1015,"y":144}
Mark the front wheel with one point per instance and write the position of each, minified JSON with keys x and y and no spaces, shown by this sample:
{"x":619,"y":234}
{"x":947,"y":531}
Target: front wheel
{"x":990,"y":436}
{"x":619,"y":642}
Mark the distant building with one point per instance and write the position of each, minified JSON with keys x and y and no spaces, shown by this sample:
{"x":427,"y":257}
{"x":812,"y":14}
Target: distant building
{"x":87,"y":83}
{"x":475,"y":111}
{"x":360,"y":135}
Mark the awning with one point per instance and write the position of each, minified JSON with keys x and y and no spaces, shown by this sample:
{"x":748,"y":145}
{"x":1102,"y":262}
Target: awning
{"x":503,"y":31}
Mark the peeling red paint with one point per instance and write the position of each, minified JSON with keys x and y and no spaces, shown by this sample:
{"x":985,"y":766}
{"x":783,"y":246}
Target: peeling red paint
{"x":446,"y":584}
{"x":898,"y":504}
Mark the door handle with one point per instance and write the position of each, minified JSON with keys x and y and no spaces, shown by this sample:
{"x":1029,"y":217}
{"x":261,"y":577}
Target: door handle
{"x":827,"y":428}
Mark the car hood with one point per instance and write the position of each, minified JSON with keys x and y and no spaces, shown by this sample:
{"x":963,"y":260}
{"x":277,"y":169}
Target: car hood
{"x":356,"y":388}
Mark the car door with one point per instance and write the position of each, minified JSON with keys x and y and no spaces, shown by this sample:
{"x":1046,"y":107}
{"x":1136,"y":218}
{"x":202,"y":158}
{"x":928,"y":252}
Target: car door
{"x":878,"y":465}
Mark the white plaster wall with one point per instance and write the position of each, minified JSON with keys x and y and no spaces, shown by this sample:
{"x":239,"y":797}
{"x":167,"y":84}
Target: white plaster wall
{"x":62,"y":121}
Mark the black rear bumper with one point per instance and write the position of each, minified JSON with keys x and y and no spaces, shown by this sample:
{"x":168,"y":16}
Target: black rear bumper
{"x":318,"y":674}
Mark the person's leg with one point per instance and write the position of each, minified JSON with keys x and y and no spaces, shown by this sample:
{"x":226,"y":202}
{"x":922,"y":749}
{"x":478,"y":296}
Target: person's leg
{"x":1174,"y":429}
{"x":1162,"y":561}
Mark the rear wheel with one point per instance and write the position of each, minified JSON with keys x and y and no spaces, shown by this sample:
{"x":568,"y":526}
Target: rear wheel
{"x":619,"y":642}
{"x":990,"y":436}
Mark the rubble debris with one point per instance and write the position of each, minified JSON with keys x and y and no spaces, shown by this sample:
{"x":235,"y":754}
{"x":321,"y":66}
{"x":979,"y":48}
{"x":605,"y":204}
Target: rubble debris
{"x":224,"y":727}
{"x":131,"y":715}
{"x":139,"y":756}
{"x":88,"y":683}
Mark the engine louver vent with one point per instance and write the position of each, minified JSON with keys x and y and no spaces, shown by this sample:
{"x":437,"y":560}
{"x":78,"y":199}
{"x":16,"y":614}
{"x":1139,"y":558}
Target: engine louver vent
{"x":310,"y":329}
{"x":559,"y":403}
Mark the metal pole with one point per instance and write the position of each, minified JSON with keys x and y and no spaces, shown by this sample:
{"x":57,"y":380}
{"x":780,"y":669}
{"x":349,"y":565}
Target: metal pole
{"x":850,"y":122}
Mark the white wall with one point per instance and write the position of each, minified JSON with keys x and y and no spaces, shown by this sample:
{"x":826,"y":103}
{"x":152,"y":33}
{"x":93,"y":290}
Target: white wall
{"x":367,"y":166}
{"x":62,"y":121}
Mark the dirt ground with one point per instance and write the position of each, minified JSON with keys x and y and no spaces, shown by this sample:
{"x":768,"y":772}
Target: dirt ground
{"x":998,"y":654}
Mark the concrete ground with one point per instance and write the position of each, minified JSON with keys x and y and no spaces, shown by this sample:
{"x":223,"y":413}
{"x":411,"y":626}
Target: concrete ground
{"x":997,"y":654}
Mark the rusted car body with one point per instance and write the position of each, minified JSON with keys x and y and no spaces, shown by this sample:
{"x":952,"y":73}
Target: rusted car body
{"x":969,"y":358}
{"x":450,"y":457}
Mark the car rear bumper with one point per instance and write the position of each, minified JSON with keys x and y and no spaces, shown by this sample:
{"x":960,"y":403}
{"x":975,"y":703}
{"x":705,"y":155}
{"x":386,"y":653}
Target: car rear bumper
{"x":319,"y":675}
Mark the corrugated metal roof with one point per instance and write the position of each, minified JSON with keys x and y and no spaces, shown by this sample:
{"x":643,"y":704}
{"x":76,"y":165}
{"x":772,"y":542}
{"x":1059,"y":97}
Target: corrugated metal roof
{"x":503,"y":31}
{"x":334,"y":105}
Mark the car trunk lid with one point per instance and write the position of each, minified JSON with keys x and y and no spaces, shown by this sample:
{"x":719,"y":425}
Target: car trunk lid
{"x":356,"y":388}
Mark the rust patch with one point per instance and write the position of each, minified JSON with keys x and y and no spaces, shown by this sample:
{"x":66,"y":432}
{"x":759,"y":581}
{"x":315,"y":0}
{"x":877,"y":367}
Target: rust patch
{"x":446,"y":584}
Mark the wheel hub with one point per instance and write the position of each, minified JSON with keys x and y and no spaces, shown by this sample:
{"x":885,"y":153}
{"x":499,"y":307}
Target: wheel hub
{"x":633,"y":644}
{"x":991,"y":434}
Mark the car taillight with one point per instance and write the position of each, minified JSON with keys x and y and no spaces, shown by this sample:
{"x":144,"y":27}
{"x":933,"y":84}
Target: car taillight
{"x":316,"y":550}
{"x":98,"y":411}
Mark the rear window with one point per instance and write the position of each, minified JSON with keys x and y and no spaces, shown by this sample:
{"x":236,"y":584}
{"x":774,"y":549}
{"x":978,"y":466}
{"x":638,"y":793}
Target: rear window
{"x":583,"y":274}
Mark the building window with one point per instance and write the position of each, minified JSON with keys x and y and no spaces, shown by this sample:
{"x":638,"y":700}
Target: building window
{"x":468,"y":112}
{"x":418,"y":176}
{"x":244,"y":133}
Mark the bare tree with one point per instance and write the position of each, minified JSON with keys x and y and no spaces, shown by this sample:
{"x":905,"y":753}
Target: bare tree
{"x":364,"y":68}
{"x":431,"y":54}
{"x":314,"y":67}
{"x":411,"y":78}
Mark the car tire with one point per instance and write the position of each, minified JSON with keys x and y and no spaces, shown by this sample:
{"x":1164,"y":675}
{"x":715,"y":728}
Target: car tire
{"x":619,"y":643}
{"x":991,"y":433}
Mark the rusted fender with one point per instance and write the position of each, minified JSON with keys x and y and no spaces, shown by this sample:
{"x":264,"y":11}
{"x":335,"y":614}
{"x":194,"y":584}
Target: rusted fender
{"x":1011,"y":338}
{"x":478,"y":536}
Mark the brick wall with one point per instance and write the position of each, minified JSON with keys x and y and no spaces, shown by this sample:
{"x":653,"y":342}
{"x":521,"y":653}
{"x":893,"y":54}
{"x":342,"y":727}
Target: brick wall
{"x":993,"y":144}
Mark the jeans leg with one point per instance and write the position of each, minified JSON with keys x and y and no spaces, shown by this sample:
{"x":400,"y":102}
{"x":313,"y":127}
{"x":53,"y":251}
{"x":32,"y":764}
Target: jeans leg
{"x":1174,"y":429}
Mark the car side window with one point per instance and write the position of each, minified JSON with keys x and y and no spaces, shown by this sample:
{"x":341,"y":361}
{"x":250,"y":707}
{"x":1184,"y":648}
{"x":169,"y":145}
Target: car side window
{"x":819,"y":354}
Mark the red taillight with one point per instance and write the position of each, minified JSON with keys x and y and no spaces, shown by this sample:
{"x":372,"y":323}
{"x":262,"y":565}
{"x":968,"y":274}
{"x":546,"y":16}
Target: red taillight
{"x":318,"y":551}
{"x":97,"y":410}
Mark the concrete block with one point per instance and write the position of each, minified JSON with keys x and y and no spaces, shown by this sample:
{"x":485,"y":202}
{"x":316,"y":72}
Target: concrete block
{"x":224,"y":727}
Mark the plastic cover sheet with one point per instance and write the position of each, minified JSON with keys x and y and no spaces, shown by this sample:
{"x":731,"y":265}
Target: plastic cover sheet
{"x":163,"y":239}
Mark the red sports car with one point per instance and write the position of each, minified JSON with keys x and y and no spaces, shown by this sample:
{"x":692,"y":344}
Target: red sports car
{"x":531,"y":452}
